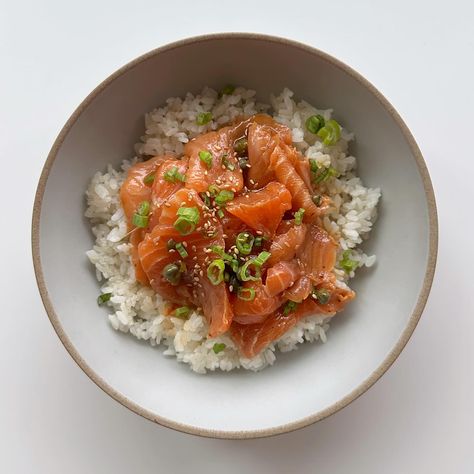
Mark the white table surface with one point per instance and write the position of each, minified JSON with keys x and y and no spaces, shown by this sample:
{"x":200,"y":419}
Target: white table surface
{"x":418,"y":418}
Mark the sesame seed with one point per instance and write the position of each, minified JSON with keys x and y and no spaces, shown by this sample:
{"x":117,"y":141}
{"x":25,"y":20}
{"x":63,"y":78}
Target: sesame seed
{"x":195,"y":258}
{"x":247,"y":196}
{"x":251,"y":181}
{"x":193,"y":248}
{"x":259,"y":232}
{"x":248,"y":165}
{"x":201,"y":273}
{"x":231,"y":288}
{"x":224,"y":236}
{"x":167,"y":204}
{"x":185,"y":243}
{"x":196,"y":278}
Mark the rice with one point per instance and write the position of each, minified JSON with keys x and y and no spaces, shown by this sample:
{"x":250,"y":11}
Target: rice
{"x":138,"y":310}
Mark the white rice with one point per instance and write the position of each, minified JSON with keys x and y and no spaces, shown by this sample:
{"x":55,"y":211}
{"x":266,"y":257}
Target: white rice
{"x":137,"y":309}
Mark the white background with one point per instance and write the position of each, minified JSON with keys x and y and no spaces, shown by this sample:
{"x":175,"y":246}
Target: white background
{"x":418,"y":418}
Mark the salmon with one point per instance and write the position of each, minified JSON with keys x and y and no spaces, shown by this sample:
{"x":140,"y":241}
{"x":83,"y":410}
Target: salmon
{"x":281,"y":161}
{"x":231,"y":227}
{"x":258,"y":309}
{"x":285,"y":245}
{"x":317,"y":254}
{"x":163,"y":188}
{"x":195,"y":287}
{"x":262,"y":210}
{"x":281,"y":276}
{"x":300,"y":290}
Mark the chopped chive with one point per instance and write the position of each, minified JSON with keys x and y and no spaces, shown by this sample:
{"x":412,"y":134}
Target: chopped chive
{"x":317,"y":198}
{"x":299,"y":216}
{"x":215,"y":271}
{"x":262,"y":258}
{"x":181,"y":250}
{"x":246,"y":294}
{"x":227,"y":90}
{"x":223,"y":197}
{"x":347,"y":264}
{"x":173,"y":175}
{"x":139,"y":221}
{"x":143,"y":208}
{"x":240,"y":146}
{"x":243,"y":162}
{"x":330,"y":133}
{"x":244,"y":242}
{"x":244,"y":273}
{"x":258,"y":241}
{"x":149,"y":179}
{"x":172,"y":273}
{"x":226,"y":277}
{"x":203,"y":118}
{"x":325,"y":174}
{"x":206,"y":157}
{"x":171,"y":244}
{"x":103,"y":298}
{"x":188,"y":218}
{"x":315,"y":123}
{"x":218,"y":347}
{"x":182,"y":312}
{"x":213,"y":190}
{"x":313,"y":165}
{"x":289,"y":307}
{"x":206,"y":199}
{"x":225,"y":161}
{"x":322,"y":295}
{"x":220,"y":213}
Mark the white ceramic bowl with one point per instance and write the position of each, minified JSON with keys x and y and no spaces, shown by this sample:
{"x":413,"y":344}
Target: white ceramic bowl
{"x":306,"y":385}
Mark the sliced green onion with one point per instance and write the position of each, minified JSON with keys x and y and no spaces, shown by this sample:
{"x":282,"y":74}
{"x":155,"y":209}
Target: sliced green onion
{"x":218,"y":347}
{"x":244,"y":242}
{"x":188,"y":218}
{"x":227,"y":90}
{"x":244,"y":271}
{"x":182,"y":312}
{"x":347,"y":264}
{"x":246,"y":294}
{"x":143,"y":208}
{"x":225,"y":162}
{"x":290,"y":307}
{"x":213,"y":190}
{"x":139,"y":221}
{"x":299,"y":216}
{"x":240,"y":146}
{"x":215,"y":271}
{"x":223,"y":197}
{"x":243,"y":162}
{"x":226,"y":277}
{"x":206,"y":157}
{"x":220,"y":213}
{"x":322,"y":295}
{"x":234,"y":283}
{"x":103,"y":298}
{"x":317,"y":199}
{"x":262,"y":258}
{"x":181,"y":250}
{"x":206,"y":199}
{"x":171,"y":273}
{"x":330,"y":133}
{"x":325,"y":175}
{"x":234,"y":264}
{"x":203,"y":118}
{"x":149,"y":179}
{"x":171,"y":244}
{"x":315,"y":123}
{"x":258,"y":241}
{"x":313,"y":165}
{"x":173,"y":175}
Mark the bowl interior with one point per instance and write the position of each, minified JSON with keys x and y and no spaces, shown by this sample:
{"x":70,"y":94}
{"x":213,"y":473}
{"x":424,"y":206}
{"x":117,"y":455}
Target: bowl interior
{"x":307,"y":382}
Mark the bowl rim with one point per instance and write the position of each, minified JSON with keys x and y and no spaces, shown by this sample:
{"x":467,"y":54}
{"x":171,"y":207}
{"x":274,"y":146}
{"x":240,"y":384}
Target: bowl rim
{"x":310,"y":419}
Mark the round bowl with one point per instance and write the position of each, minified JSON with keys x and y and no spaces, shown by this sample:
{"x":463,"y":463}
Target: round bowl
{"x":306,"y":385}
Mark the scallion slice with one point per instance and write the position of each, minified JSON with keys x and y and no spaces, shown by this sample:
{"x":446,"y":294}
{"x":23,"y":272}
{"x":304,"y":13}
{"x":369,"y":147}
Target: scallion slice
{"x":244,"y":242}
{"x":149,"y":179}
{"x":103,"y":298}
{"x":226,"y":163}
{"x":218,"y":347}
{"x":206,"y":157}
{"x":203,"y":118}
{"x":227,"y":90}
{"x":213,"y":190}
{"x":330,"y":133}
{"x":181,"y":250}
{"x":182,"y":312}
{"x":290,"y":307}
{"x":240,"y":146}
{"x":244,"y":273}
{"x":315,"y":123}
{"x":172,"y":273}
{"x":223,"y":197}
{"x":347,"y":264}
{"x":246,"y":294}
{"x":215,"y":271}
{"x":299,"y":216}
{"x":188,"y":218}
{"x":139,"y":221}
{"x":262,"y":258}
{"x":173,"y":175}
{"x":321,"y":295}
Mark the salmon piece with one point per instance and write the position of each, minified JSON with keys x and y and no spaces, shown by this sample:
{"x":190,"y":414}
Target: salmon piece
{"x":251,"y":339}
{"x":285,"y":245}
{"x":280,"y":277}
{"x":338,"y":299}
{"x":220,"y":144}
{"x":133,"y":190}
{"x":195,"y":287}
{"x":262,"y":140}
{"x":318,"y":254}
{"x":135,"y":238}
{"x":163,"y":189}
{"x":258,"y":309}
{"x":231,"y":227}
{"x":282,"y":162}
{"x":262,"y":210}
{"x":300,"y":290}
